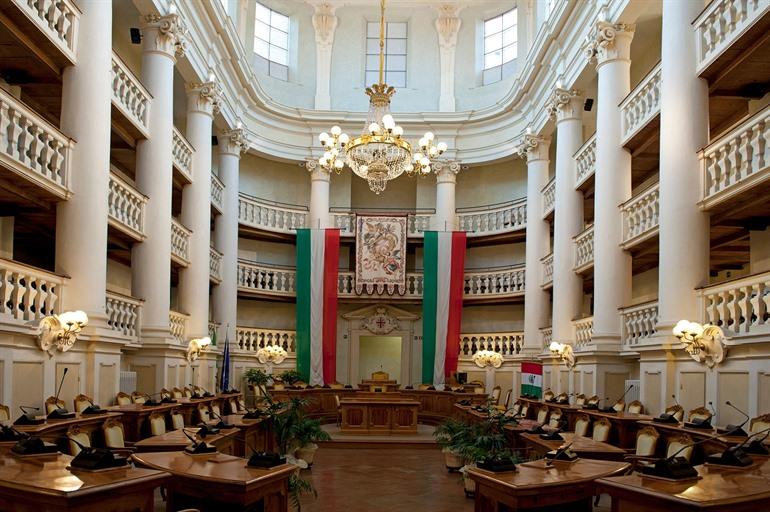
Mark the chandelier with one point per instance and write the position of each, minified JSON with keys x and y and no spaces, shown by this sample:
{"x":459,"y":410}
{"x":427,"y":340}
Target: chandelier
{"x":381,"y":153}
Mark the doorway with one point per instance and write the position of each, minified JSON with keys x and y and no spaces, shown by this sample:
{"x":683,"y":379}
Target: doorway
{"x":379,"y":353}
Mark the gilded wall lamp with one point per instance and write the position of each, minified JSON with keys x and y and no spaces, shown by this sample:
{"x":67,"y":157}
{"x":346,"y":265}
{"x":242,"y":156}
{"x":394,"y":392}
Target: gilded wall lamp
{"x":60,"y":331}
{"x":704,"y":343}
{"x":196,"y":347}
{"x":563,"y":352}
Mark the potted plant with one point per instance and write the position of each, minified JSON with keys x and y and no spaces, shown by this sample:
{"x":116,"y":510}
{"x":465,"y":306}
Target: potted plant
{"x":307,"y":433}
{"x":449,"y":434}
{"x":290,"y":377}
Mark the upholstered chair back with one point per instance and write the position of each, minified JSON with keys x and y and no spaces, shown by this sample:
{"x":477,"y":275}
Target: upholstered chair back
{"x":51,"y":404}
{"x":495,"y":396}
{"x":555,"y":419}
{"x":203,"y":413}
{"x":542,"y":415}
{"x":81,"y":402}
{"x":177,"y":420}
{"x":177,"y":393}
{"x":593,"y":400}
{"x":187,"y":392}
{"x":548,"y":394}
{"x":157,"y":424}
{"x":232,"y":404}
{"x":81,"y":436}
{"x":760,"y":423}
{"x":582,"y":425}
{"x":602,"y":428}
{"x":215,"y":408}
{"x":619,"y":405}
{"x":580,"y":399}
{"x":678,"y":443}
{"x":635,"y":407}
{"x":516,"y":407}
{"x":113,"y":434}
{"x":676,"y":411}
{"x":5,"y":413}
{"x":123,"y":399}
{"x":646,"y":442}
{"x":700,"y":413}
{"x":524,"y":410}
{"x":138,"y":398}
{"x":507,"y":401}
{"x":165,"y":393}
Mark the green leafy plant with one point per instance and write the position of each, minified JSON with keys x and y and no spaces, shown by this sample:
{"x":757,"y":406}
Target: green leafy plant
{"x":290,"y":377}
{"x":484,"y":439}
{"x":258,"y":378}
{"x":297,"y":487}
{"x":449,"y":431}
{"x":307,"y":432}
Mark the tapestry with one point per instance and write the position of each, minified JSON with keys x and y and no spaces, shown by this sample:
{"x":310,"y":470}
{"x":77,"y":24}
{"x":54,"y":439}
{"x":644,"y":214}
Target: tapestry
{"x":380,"y":254}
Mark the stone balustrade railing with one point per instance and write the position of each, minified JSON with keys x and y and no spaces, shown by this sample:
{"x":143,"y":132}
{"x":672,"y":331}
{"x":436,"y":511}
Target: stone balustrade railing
{"x":737,"y":159}
{"x":265,"y":279}
{"x":270,"y":216}
{"x":124,"y":315}
{"x":182,"y":152}
{"x":129,"y":95}
{"x":33,"y":148}
{"x":641,"y":105}
{"x":546,"y":336}
{"x":180,"y":243}
{"x":125,"y":207}
{"x":493,"y":219}
{"x":217,"y":193}
{"x":177,"y":323}
{"x":547,"y":270}
{"x":252,"y":339}
{"x":584,"y":331}
{"x":28,"y":293}
{"x":505,"y":343}
{"x":416,"y":224}
{"x":214,"y":331}
{"x":640,"y":216}
{"x":215,"y":265}
{"x":721,"y":23}
{"x":584,"y":250}
{"x":549,"y":197}
{"x":637,"y":323}
{"x":740,"y":307}
{"x":58,"y":20}
{"x":585,"y":161}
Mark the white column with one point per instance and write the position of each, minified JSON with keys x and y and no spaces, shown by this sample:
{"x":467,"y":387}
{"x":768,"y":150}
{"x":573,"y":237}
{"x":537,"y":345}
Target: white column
{"x":447,"y":26}
{"x":535,"y":150}
{"x":163,"y":39}
{"x":612,"y":265}
{"x":324,"y":22}
{"x":567,"y":107}
{"x":684,"y":228}
{"x":319,"y":195}
{"x":81,"y":221}
{"x":445,"y":218}
{"x":202,"y":102}
{"x":225,"y":295}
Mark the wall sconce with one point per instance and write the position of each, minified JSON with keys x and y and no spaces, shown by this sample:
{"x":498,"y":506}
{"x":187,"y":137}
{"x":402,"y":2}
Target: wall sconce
{"x":563,"y":352}
{"x":196,"y":347}
{"x":60,"y":331}
{"x":488,"y":358}
{"x":704,"y":343}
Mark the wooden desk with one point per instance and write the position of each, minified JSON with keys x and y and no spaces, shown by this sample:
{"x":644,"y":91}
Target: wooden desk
{"x":220,"y":482}
{"x":389,"y":385}
{"x":569,"y":411}
{"x":175,"y":440}
{"x":374,"y":416}
{"x":135,"y":418}
{"x":223,"y":399}
{"x":189,"y":408}
{"x":718,"y":490}
{"x":45,"y":484}
{"x":625,"y":425}
{"x":56,"y":430}
{"x":584,"y":447}
{"x":539,"y":489}
{"x":716,"y":445}
{"x":252,"y":435}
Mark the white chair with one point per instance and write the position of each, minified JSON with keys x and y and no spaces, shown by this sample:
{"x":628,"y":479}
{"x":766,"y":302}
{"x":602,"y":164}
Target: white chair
{"x":760,"y":423}
{"x":542,"y":415}
{"x":157,"y":424}
{"x":177,"y":420}
{"x":123,"y":399}
{"x":635,"y":407}
{"x":76,"y":435}
{"x":602,"y":428}
{"x":681,"y":442}
{"x":582,"y":424}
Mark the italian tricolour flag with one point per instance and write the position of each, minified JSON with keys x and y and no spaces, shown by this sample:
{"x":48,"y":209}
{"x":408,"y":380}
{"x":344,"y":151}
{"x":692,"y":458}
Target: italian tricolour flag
{"x":532,"y":379}
{"x":317,"y":260}
{"x":442,"y":304}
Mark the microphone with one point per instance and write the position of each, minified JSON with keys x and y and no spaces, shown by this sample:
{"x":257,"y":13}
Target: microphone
{"x":260,"y":459}
{"x":666,"y":417}
{"x":222,"y":423}
{"x":27,"y":418}
{"x":93,"y":408}
{"x":195,"y":394}
{"x":94,"y":459}
{"x":198,"y":447}
{"x":33,"y":445}
{"x":563,"y":453}
{"x":738,"y":429}
{"x":60,"y":413}
{"x":756,"y":446}
{"x":711,"y":406}
{"x":611,"y":408}
{"x":700,"y":423}
{"x":11,"y":434}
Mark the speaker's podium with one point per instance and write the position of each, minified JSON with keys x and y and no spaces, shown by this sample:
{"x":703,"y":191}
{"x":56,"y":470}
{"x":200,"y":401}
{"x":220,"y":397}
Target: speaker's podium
{"x":380,"y":382}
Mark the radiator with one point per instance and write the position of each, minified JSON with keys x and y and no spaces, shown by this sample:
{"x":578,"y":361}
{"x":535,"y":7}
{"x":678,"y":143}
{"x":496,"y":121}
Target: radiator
{"x":634,"y":392}
{"x":128,"y":382}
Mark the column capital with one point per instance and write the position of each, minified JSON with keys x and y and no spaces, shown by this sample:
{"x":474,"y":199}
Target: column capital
{"x":607,"y":42}
{"x":446,"y":172}
{"x":233,"y":142}
{"x":565,"y":104}
{"x":448,"y":25}
{"x":533,"y":147}
{"x":324,"y":22}
{"x":204,"y":97}
{"x":317,"y":172}
{"x":165,"y":34}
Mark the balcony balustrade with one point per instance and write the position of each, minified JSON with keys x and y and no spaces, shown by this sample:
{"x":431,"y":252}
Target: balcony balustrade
{"x":124,"y":315}
{"x":584,"y":250}
{"x":641,"y":105}
{"x":217,"y":194}
{"x":585,"y":162}
{"x":584,"y":332}
{"x":178,"y":326}
{"x":126,"y":208}
{"x":58,"y":20}
{"x":416,"y":224}
{"x":637,"y":323}
{"x":547,"y":269}
{"x":265,"y":279}
{"x":270,"y":216}
{"x":506,"y":343}
{"x":252,"y":339}
{"x":640,"y":217}
{"x":493,"y":219}
{"x":180,"y":243}
{"x":215,"y":265}
{"x":130,"y":97}
{"x":182,"y":152}
{"x":549,"y":197}
{"x":28,"y":293}
{"x":741,"y":306}
{"x":546,"y":335}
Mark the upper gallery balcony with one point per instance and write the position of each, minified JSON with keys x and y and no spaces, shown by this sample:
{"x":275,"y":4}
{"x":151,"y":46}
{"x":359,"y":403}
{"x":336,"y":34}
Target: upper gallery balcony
{"x":182,"y":152}
{"x":583,"y":257}
{"x":272,"y":281}
{"x":547,"y":271}
{"x":180,"y":243}
{"x":28,"y":293}
{"x":130,"y":101}
{"x":215,"y":265}
{"x":585,"y":164}
{"x":637,"y":323}
{"x":640,"y":110}
{"x":126,"y":208}
{"x":549,"y":198}
{"x":640,"y":216}
{"x":34,"y":150}
{"x":741,"y":306}
{"x":217,"y":195}
{"x":49,"y":25}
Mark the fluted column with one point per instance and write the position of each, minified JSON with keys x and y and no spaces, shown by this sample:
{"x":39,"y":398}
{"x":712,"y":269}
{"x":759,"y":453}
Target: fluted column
{"x":684,"y":228}
{"x":535,"y":150}
{"x":225,"y":295}
{"x":566,"y":106}
{"x":447,"y":26}
{"x":324,"y":23}
{"x":611,"y":45}
{"x":81,"y":221}
{"x":163,"y":39}
{"x":319,"y":195}
{"x":202,"y":102}
{"x":445,"y":218}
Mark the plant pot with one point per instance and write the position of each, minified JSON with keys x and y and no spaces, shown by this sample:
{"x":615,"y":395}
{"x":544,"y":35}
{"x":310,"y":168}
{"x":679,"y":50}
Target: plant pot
{"x":469,"y":485}
{"x":452,"y":461}
{"x":307,"y":453}
{"x":278,"y":387}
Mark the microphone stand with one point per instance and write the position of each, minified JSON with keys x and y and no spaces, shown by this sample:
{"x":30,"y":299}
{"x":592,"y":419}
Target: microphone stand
{"x":666,"y":417}
{"x":733,"y":428}
{"x":94,"y":459}
{"x":198,"y":447}
{"x":60,"y":413}
{"x":611,"y":408}
{"x":93,"y":408}
{"x":27,"y":418}
{"x":221,"y":423}
{"x":562,"y":453}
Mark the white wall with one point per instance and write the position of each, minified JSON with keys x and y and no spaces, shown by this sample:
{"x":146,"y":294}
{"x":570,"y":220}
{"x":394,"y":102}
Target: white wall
{"x":276,"y":181}
{"x":493,"y":183}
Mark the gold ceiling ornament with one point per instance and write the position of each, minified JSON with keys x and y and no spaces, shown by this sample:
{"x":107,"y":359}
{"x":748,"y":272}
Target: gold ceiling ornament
{"x":381,"y":153}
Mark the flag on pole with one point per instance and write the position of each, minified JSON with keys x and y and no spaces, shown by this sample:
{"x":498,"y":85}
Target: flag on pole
{"x":442,"y":304}
{"x":532,"y":379}
{"x":224,"y":380}
{"x":317,"y":262}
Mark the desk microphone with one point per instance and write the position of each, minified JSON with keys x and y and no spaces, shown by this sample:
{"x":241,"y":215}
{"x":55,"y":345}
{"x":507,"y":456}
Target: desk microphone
{"x":11,"y":434}
{"x":261,"y":459}
{"x":93,"y":408}
{"x":198,"y":447}
{"x":27,"y":418}
{"x":93,"y":459}
{"x":611,"y":408}
{"x":756,"y":446}
{"x":33,"y":445}
{"x":60,"y":413}
{"x":563,"y":453}
{"x":700,"y":423}
{"x":195,"y":394}
{"x":738,"y":429}
{"x":666,"y":417}
{"x":221,"y":423}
